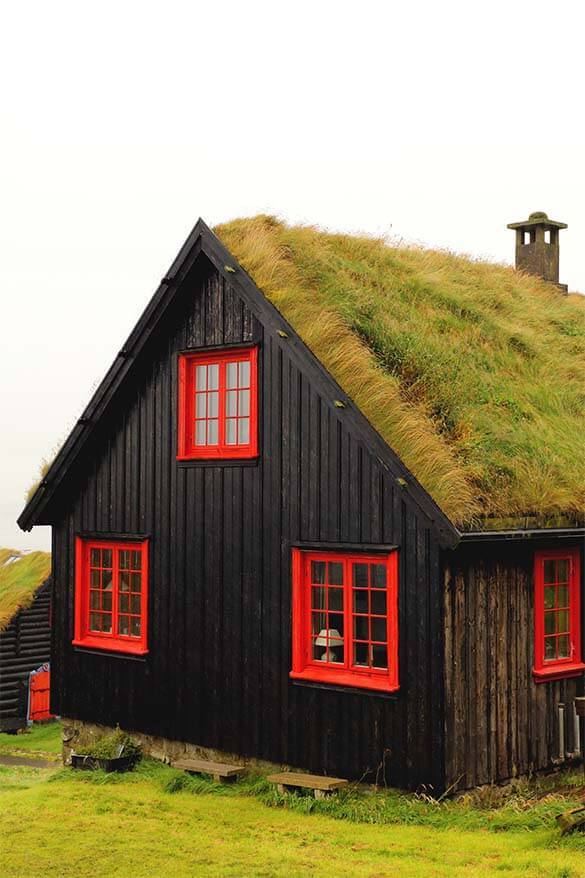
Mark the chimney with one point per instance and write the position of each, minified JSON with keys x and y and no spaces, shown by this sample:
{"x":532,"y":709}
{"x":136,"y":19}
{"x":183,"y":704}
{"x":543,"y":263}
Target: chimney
{"x":537,"y":247}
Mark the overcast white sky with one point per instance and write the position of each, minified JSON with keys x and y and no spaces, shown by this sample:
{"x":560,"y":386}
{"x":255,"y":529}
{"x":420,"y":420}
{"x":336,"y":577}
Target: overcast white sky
{"x":123,"y":122}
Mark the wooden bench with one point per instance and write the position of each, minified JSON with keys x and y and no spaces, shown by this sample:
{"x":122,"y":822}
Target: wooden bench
{"x":321,"y":786}
{"x":220,"y":771}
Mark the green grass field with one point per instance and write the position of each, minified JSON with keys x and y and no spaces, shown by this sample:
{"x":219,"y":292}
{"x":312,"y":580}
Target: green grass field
{"x":157,"y":822}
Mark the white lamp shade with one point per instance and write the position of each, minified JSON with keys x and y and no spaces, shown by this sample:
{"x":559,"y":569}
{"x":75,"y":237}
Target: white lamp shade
{"x":334,"y":638}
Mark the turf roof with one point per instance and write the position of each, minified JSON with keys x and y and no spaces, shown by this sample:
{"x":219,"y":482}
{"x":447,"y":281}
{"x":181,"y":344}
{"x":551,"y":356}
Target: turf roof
{"x":472,"y":372}
{"x":21,"y":576}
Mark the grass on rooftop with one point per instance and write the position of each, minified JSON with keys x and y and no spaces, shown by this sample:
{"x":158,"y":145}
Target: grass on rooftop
{"x":472,"y":372}
{"x":19,"y":580}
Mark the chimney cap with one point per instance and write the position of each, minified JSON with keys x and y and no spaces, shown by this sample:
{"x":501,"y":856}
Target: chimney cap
{"x":538,"y":218}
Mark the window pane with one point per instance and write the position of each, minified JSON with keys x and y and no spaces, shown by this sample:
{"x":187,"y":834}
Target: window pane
{"x":318,"y":572}
{"x":550,"y":571}
{"x":378,"y":600}
{"x":550,"y":651}
{"x":232,"y":375}
{"x":378,"y":575}
{"x":379,"y":657}
{"x":563,"y":570}
{"x":200,"y":433}
{"x":213,"y":377}
{"x":94,"y":622}
{"x":562,"y":622}
{"x":106,"y":600}
{"x":106,"y":558}
{"x":335,"y":573}
{"x":94,"y":600}
{"x":201,"y":378}
{"x":123,"y":625}
{"x":563,"y":646}
{"x":244,"y":374}
{"x":244,"y":402}
{"x":360,"y":628}
{"x":123,"y":603}
{"x":550,"y":597}
{"x":107,"y":580}
{"x":336,"y":625}
{"x":212,"y":405}
{"x":230,"y":433}
{"x":107,"y":623}
{"x":550,"y":622}
{"x":201,"y":405}
{"x":124,"y":559}
{"x":135,"y":604}
{"x":136,"y":561}
{"x":360,"y":654}
{"x":243,"y":431}
{"x":563,"y":596}
{"x":95,"y":558}
{"x":232,"y":403}
{"x":136,"y":582}
{"x":135,"y":627}
{"x":124,"y":581}
{"x":95,"y":579}
{"x":335,"y":598}
{"x":360,"y":601}
{"x":212,"y":432}
{"x":360,"y":575}
{"x":379,"y":629}
{"x":318,"y":598}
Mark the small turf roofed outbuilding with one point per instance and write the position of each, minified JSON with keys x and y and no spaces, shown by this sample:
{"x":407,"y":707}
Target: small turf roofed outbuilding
{"x":21,"y":576}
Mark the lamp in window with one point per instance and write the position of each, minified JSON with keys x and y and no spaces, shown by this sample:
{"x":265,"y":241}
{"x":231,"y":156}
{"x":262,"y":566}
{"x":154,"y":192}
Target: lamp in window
{"x":330,"y":638}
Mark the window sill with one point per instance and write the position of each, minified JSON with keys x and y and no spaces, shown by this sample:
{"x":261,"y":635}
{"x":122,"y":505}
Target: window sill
{"x":114,"y":646}
{"x":219,"y":457}
{"x":558,"y":672}
{"x":345,"y":679}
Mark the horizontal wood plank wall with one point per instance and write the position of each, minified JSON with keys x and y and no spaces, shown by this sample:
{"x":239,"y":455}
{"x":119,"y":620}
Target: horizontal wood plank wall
{"x":24,"y":647}
{"x":220,"y":594}
{"x":499,"y":723}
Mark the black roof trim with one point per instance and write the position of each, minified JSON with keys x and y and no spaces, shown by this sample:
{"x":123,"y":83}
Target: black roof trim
{"x":203,"y":241}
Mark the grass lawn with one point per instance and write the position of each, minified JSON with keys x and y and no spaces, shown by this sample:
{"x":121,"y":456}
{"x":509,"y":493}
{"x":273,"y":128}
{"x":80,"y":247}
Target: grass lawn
{"x":43,"y":739}
{"x":155,"y":822}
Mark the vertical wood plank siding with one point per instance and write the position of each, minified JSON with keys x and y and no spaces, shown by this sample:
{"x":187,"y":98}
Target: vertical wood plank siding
{"x":220,"y":629}
{"x":499,"y":723}
{"x":24,"y":646}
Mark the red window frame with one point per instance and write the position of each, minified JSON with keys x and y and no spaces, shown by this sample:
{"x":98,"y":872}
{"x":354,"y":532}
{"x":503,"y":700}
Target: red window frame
{"x":122,"y":597}
{"x":187,"y":449}
{"x":557,"y":605}
{"x":345,"y":672}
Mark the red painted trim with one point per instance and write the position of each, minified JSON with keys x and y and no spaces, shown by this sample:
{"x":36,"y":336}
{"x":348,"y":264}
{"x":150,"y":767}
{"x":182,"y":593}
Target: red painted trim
{"x":304,"y":667}
{"x":572,"y":666}
{"x":114,"y":641}
{"x":186,"y":448}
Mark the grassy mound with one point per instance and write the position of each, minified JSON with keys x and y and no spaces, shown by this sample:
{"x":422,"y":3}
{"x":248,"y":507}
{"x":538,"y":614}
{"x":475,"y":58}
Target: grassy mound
{"x":473,"y":372}
{"x":21,"y":576}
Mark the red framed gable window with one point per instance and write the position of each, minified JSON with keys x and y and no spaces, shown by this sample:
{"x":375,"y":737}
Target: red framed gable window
{"x":557,"y":614}
{"x":218,"y":404}
{"x":111,"y":595}
{"x":345,"y":619}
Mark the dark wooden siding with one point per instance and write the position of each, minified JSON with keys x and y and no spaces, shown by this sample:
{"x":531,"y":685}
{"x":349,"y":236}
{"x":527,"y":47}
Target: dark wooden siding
{"x":499,"y":723}
{"x":220,"y":596}
{"x":24,"y":646}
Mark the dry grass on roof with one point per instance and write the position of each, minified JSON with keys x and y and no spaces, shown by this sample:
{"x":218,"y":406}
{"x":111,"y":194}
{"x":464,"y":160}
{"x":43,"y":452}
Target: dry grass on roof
{"x":472,"y":372}
{"x":21,"y":576}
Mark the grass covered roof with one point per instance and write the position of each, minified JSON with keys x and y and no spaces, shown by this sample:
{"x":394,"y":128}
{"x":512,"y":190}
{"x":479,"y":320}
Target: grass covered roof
{"x":21,"y":576}
{"x":472,"y":372}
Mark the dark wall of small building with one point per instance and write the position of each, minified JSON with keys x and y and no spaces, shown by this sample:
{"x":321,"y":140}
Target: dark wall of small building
{"x":217,"y":673}
{"x":24,"y":646}
{"x":499,"y":722}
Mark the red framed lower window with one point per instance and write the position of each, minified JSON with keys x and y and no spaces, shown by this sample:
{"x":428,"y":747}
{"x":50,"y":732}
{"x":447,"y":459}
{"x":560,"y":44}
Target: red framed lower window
{"x":345,"y":619}
{"x":557,"y":614}
{"x":111,"y":595}
{"x":218,"y":404}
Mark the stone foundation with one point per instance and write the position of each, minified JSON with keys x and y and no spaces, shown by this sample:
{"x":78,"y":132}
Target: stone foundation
{"x":77,"y":733}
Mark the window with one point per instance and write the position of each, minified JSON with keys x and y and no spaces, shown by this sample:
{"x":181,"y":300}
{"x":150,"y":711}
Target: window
{"x":218,"y":404}
{"x":557,"y":629}
{"x":345,"y":619}
{"x":111,"y":590}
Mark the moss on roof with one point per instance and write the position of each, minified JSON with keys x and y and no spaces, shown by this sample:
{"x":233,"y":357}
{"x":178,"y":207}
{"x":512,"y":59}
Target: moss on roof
{"x":21,"y":576}
{"x":473,"y":373}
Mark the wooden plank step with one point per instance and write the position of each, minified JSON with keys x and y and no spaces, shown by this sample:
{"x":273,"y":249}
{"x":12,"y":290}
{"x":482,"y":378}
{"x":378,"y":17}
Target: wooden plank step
{"x":218,"y":770}
{"x":321,"y":786}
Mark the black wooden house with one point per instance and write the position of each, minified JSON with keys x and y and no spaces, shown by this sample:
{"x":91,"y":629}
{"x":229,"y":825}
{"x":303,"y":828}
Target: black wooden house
{"x":243,"y":561}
